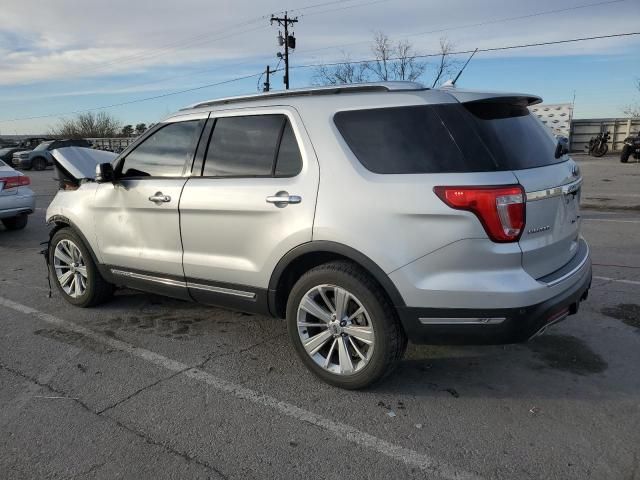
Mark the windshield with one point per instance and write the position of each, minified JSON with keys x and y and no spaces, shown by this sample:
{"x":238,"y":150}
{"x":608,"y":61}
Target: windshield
{"x":4,"y":151}
{"x":43,"y":146}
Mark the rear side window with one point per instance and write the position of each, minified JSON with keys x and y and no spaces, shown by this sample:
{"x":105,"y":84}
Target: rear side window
{"x":515,"y":138}
{"x":406,"y":140}
{"x":448,"y":138}
{"x":252,"y":146}
{"x":165,"y":152}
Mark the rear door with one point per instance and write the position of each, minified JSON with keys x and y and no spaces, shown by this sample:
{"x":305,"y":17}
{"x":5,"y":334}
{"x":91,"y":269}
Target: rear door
{"x":519,"y":142}
{"x":251,"y":203}
{"x":137,"y":221}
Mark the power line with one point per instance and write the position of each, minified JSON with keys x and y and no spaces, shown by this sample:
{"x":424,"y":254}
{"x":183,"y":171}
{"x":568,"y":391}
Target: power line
{"x":479,"y":24}
{"x":491,"y":49}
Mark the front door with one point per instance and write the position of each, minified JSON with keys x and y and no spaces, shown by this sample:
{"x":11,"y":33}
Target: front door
{"x":254,"y":201}
{"x":137,"y":221}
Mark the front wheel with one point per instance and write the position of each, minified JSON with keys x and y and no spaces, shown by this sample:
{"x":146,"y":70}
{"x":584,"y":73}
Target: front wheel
{"x":74,"y":271}
{"x":343,"y":327}
{"x":600,"y":150}
{"x":39,"y":163}
{"x":626,"y":153}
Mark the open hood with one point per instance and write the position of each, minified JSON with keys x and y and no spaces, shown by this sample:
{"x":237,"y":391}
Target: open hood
{"x":77,"y":163}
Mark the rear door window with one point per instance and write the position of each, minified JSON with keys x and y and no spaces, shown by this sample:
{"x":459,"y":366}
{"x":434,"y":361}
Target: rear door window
{"x":252,"y":146}
{"x":165,"y":152}
{"x":407,"y":140}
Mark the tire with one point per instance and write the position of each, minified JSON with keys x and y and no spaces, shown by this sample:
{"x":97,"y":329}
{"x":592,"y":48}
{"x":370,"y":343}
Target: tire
{"x":39,"y":163}
{"x":626,"y":153}
{"x":378,"y":320}
{"x":15,"y":223}
{"x":96,"y":289}
{"x":600,"y":150}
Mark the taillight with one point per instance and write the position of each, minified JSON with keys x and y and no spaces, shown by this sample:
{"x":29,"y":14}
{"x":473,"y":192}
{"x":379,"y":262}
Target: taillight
{"x":17,"y":181}
{"x":501,"y":210}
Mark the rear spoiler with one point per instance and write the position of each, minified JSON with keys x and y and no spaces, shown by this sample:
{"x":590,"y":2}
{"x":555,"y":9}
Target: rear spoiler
{"x":465,"y":96}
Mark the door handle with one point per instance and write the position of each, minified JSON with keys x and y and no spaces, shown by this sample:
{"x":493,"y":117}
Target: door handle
{"x":282,"y":199}
{"x":159,"y":198}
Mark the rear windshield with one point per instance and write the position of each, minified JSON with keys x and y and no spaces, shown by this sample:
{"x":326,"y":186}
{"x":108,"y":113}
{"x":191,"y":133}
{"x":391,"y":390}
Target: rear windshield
{"x":447,"y":138}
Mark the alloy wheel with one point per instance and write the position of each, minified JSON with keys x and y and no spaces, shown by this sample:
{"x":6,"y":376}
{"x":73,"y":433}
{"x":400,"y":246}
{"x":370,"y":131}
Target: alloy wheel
{"x":335,"y":329}
{"x":70,"y":268}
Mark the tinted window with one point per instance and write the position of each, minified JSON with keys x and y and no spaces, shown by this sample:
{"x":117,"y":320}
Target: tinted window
{"x":243,"y":146}
{"x":405,"y":140}
{"x":515,"y":138}
{"x":2,"y":164}
{"x":470,"y":137}
{"x":289,"y":161}
{"x":165,"y":152}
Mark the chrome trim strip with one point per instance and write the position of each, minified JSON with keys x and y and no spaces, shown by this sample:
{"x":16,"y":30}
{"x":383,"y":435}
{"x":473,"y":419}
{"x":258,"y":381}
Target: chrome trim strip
{"x":226,"y":291}
{"x":461,"y":321}
{"x":149,"y":278}
{"x":555,"y":191}
{"x":571,"y":272}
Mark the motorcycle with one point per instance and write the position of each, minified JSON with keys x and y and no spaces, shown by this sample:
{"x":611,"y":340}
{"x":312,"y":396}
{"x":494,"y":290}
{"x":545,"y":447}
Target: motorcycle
{"x":630,"y":148}
{"x":598,"y":144}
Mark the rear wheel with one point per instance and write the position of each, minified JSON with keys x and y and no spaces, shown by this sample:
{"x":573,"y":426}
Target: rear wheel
{"x":39,"y":163}
{"x":343,"y":327}
{"x":626,"y":153}
{"x":74,"y":271}
{"x":15,"y":223}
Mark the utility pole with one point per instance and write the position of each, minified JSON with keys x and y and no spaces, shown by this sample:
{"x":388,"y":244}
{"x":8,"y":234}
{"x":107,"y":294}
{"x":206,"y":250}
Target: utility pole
{"x":289,"y":41}
{"x":266,"y":83}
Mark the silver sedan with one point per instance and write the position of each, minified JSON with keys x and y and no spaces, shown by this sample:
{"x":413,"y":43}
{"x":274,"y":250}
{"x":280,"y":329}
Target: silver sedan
{"x":16,"y":198}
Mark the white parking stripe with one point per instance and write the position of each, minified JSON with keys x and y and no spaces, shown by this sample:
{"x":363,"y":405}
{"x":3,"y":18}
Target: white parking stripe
{"x":609,"y":220}
{"x":609,"y":279}
{"x":343,"y":431}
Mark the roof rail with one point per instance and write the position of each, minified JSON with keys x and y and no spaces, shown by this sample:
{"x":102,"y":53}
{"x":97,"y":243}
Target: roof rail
{"x":326,"y":90}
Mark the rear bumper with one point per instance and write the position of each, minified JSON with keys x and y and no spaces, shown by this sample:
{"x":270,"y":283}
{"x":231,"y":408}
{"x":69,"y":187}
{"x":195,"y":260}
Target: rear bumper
{"x":457,"y":326}
{"x":23,"y":202}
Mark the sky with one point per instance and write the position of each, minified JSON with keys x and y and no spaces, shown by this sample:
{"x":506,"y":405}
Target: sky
{"x":65,"y":56}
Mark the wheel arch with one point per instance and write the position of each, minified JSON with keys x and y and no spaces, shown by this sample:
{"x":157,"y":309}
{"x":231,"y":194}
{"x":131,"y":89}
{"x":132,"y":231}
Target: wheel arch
{"x":309,"y":255}
{"x":59,"y":222}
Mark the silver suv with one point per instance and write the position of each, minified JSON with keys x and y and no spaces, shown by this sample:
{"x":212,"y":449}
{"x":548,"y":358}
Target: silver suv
{"x":365,"y":215}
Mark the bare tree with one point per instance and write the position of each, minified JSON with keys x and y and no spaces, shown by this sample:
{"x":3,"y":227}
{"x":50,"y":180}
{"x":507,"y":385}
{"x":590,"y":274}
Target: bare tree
{"x":347,"y":72}
{"x":633,"y":110}
{"x":87,"y":125}
{"x":446,"y":65}
{"x":391,"y":61}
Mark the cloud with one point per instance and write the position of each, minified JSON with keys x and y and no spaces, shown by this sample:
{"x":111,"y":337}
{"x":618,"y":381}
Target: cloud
{"x":45,"y":41}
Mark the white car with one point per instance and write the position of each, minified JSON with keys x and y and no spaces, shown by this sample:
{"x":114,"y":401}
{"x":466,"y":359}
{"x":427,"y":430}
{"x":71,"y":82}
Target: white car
{"x":16,"y":198}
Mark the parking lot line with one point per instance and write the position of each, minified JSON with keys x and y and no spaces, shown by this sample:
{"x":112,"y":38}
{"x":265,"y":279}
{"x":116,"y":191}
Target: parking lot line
{"x":341,"y":430}
{"x":609,"y":279}
{"x":609,"y":220}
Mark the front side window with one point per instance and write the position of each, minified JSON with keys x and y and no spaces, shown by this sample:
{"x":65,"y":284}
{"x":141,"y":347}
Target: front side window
{"x":252,"y":146}
{"x":165,"y":152}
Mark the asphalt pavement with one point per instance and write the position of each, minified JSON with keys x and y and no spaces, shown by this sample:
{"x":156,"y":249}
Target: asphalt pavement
{"x":149,"y":387}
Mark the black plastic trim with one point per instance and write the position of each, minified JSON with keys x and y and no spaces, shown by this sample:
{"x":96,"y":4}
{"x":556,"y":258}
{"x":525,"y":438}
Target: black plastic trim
{"x":519,"y":325}
{"x":320,"y":246}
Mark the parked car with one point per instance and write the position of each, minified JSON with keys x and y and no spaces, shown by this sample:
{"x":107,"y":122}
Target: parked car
{"x":6,"y":154}
{"x":365,"y":215}
{"x":16,"y":198}
{"x":40,"y":157}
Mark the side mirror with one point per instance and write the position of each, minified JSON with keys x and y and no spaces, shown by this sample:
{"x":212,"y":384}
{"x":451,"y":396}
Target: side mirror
{"x":562,"y":148}
{"x":104,"y":173}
